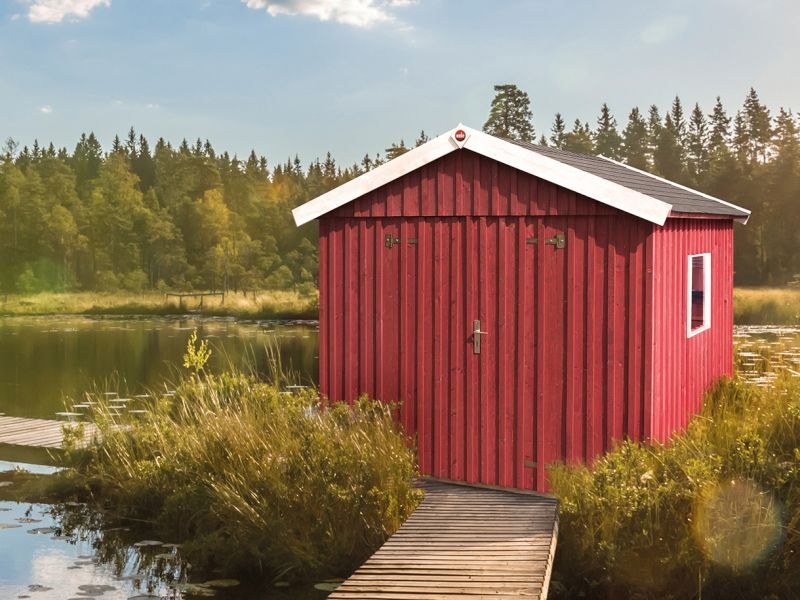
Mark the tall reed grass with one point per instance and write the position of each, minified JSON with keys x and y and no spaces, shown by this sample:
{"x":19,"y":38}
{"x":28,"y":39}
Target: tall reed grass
{"x":715,"y":514}
{"x":256,"y":481}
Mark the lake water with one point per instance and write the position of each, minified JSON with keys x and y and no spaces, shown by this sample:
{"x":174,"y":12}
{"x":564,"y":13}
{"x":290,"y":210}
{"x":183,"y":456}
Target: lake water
{"x":49,"y":362}
{"x":46,"y":361}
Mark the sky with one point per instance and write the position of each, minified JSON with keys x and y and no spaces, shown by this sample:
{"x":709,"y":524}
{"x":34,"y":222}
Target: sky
{"x":349,"y":77}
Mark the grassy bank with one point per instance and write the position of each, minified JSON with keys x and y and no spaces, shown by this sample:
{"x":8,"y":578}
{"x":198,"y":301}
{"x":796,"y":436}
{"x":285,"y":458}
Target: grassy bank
{"x":716,"y":514}
{"x":766,"y":306}
{"x":258,"y":305}
{"x":751,"y":306}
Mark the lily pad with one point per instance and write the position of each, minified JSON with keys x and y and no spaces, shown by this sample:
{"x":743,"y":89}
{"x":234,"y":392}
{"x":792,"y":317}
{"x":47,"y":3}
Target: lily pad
{"x":35,"y":587}
{"x":42,"y":531}
{"x":27,"y":520}
{"x":144,"y":597}
{"x":146,"y":543}
{"x":222,"y":583}
{"x":195,"y":589}
{"x":6,"y":483}
{"x":166,"y":556}
{"x":327,"y":586}
{"x":96,"y":590}
{"x":9,"y":525}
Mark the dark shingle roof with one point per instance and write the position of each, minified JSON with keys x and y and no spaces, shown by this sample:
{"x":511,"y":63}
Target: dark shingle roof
{"x":682,"y":199}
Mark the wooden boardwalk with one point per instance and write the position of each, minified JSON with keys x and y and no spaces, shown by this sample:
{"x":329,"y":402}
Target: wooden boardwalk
{"x":463,"y":542}
{"x":37,"y":433}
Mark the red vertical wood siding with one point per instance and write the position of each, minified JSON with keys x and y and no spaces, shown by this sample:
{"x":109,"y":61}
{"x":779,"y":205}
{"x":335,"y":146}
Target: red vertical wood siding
{"x":572,"y":360}
{"x":685,"y":367}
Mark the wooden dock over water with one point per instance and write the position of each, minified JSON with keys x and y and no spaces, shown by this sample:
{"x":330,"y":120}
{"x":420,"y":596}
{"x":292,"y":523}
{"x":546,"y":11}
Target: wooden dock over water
{"x":37,"y":433}
{"x":463,"y":542}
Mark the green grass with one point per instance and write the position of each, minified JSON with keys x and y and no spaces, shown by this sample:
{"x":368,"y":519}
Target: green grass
{"x":253,"y":305}
{"x":766,"y":306}
{"x":256,"y":483}
{"x":716,"y":514}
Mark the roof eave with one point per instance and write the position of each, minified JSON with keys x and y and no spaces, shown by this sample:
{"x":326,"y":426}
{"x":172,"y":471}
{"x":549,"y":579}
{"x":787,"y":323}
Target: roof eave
{"x":742,"y":215}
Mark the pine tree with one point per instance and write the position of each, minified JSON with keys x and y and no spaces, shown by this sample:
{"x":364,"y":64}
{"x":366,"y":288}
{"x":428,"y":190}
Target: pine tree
{"x":757,"y":125}
{"x":130,"y":144}
{"x":654,"y":128}
{"x":423,"y":138}
{"x":558,"y":132}
{"x":783,"y":190}
{"x":697,"y":146}
{"x":634,"y":141}
{"x":607,"y":141}
{"x":396,"y":150}
{"x":741,"y":140}
{"x":668,"y":154}
{"x":719,"y":135}
{"x":678,"y":121}
{"x":510,"y":115}
{"x":579,"y":140}
{"x":117,"y":147}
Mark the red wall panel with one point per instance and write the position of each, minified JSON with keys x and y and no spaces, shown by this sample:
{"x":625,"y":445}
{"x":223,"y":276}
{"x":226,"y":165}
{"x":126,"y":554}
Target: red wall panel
{"x":586,"y":344}
{"x":685,"y":367}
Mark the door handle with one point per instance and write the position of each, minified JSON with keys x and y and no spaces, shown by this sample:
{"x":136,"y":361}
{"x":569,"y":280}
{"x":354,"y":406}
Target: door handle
{"x":476,"y":336}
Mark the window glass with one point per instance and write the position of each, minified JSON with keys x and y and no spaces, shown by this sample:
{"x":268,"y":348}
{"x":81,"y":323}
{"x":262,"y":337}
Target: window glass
{"x":699,"y":298}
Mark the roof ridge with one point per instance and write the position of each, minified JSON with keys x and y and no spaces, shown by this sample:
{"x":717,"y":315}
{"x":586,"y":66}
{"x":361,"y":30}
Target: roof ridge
{"x":594,"y":176}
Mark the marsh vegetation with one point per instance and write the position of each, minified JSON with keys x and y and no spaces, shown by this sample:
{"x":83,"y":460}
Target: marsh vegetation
{"x":714,"y":514}
{"x":254,"y":481}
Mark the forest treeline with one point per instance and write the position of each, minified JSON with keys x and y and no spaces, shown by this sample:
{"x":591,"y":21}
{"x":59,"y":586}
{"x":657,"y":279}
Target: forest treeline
{"x":135,"y":217}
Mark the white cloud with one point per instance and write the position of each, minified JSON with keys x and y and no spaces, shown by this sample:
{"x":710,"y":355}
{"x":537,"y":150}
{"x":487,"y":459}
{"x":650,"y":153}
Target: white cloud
{"x":663,"y":30}
{"x":46,"y":109}
{"x":55,"y":11}
{"x":358,"y":13}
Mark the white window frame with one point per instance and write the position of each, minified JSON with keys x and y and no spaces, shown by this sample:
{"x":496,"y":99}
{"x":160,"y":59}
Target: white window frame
{"x":706,"y":258}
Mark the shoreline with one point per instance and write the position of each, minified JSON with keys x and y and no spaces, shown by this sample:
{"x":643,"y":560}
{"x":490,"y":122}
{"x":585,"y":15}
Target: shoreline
{"x":272,"y":305}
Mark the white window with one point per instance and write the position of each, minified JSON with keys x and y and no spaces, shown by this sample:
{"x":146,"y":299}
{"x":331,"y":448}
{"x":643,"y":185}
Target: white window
{"x":698,"y":302}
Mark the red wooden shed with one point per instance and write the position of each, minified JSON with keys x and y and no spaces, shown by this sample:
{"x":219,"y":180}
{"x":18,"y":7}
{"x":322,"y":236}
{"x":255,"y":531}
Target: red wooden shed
{"x":523,"y":304}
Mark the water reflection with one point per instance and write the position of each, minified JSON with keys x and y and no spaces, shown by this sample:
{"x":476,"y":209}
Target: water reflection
{"x":45,"y":360}
{"x":69,"y":551}
{"x":762,"y":353}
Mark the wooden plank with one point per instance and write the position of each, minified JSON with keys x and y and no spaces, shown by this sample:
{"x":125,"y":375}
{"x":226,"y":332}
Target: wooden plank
{"x":38,"y":433}
{"x":464,"y":542}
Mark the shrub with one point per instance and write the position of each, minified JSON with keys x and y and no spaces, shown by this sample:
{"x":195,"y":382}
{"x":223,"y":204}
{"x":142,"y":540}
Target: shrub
{"x":257,"y":482}
{"x":715,"y":514}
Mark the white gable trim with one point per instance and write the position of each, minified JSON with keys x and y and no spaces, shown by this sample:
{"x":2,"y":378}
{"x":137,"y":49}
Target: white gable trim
{"x":572,"y":178}
{"x":581,"y":182}
{"x":372,"y":180}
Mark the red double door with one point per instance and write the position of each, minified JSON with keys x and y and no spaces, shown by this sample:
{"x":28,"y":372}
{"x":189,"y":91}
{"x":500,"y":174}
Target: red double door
{"x":469,"y":337}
